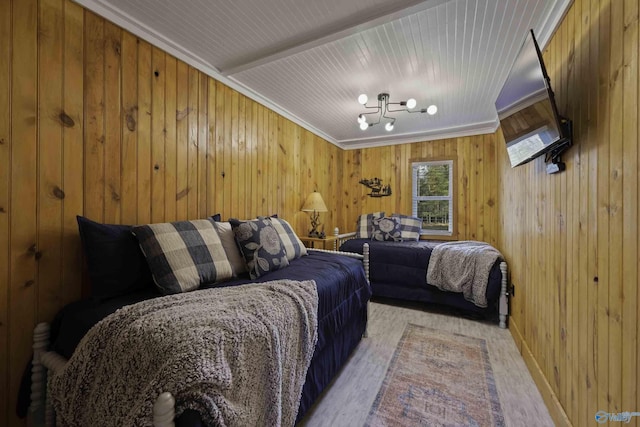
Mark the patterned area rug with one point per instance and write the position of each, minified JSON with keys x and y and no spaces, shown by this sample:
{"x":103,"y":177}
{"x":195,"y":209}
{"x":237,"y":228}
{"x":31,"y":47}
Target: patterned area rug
{"x":437,"y":379}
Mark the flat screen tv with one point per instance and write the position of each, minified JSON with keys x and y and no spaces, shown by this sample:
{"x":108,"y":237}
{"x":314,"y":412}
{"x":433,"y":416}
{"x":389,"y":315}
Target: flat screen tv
{"x":527,"y":110}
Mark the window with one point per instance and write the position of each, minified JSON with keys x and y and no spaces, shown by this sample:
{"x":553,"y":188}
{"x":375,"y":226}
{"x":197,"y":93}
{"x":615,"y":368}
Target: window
{"x":433,"y":196}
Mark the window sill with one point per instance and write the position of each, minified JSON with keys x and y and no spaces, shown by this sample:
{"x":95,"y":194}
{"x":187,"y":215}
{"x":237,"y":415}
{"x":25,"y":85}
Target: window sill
{"x":430,"y":236}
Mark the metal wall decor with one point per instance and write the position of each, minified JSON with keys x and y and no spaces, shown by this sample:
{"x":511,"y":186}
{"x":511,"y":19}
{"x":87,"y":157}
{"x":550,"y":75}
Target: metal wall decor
{"x":377,"y":189}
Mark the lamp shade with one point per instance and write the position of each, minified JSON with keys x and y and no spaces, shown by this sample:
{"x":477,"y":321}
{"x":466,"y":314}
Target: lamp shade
{"x":314,"y":203}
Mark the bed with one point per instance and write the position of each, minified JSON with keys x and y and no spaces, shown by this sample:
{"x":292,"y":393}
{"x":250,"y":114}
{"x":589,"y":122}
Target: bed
{"x":399,"y":271}
{"x":343,"y":293}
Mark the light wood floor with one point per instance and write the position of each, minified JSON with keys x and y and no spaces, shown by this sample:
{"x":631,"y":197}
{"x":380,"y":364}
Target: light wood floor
{"x":349,"y":398}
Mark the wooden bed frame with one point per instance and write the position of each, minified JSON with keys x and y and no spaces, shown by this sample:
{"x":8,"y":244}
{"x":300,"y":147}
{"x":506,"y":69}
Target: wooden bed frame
{"x":41,"y":411}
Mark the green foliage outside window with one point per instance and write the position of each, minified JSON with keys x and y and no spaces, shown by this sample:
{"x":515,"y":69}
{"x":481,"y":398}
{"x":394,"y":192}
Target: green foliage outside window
{"x":433,"y":196}
{"x":433,"y":180}
{"x":434,"y":214}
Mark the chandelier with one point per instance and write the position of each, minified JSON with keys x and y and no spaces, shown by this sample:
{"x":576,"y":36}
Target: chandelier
{"x":382,"y":109}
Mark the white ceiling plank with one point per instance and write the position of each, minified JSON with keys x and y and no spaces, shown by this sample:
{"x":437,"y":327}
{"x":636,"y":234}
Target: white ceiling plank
{"x":339,"y":30}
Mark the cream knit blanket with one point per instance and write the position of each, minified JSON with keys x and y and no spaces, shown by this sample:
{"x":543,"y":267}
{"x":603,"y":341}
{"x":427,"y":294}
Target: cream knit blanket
{"x":463,"y":267}
{"x":238,"y":355}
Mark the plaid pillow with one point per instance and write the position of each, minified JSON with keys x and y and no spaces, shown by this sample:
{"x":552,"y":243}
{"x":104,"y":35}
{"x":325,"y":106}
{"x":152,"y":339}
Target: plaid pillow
{"x":260,"y":245}
{"x":292,"y":244}
{"x":409,"y":226}
{"x":364,"y":223}
{"x":183,"y":255}
{"x":230,"y":246}
{"x":386,"y":229}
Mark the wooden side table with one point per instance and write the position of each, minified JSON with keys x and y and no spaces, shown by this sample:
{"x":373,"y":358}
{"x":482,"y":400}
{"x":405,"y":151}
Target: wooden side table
{"x":328,"y":242}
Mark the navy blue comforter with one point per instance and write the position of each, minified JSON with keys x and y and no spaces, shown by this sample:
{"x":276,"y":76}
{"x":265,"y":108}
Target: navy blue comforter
{"x":399,"y":270}
{"x":343,"y":293}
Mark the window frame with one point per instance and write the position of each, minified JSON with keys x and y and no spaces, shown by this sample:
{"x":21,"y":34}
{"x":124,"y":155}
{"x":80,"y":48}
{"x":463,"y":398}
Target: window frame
{"x":415,"y":164}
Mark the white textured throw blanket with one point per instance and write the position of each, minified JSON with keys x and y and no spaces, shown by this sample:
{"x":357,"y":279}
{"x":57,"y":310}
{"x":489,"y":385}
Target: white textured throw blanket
{"x":238,"y":355}
{"x":463,"y":267}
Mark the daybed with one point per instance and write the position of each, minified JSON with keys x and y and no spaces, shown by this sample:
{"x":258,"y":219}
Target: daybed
{"x":399,"y":269}
{"x":343,"y":293}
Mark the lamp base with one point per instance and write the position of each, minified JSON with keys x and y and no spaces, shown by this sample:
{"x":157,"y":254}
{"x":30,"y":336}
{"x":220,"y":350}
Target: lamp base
{"x":317,"y":234}
{"x":315,"y":223}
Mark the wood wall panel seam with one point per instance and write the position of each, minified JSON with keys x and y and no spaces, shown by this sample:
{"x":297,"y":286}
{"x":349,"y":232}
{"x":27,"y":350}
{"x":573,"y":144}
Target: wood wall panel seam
{"x":6,"y":39}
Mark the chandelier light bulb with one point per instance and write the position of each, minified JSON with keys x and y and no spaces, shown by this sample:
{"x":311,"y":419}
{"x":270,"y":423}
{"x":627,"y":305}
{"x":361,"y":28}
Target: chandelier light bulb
{"x":385,"y":112}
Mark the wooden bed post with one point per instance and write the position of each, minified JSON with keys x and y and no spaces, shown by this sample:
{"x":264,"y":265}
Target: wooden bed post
{"x":164,"y":410}
{"x":40,"y":410}
{"x":336,"y":234}
{"x":365,"y":261}
{"x":53,"y":362}
{"x":365,"y":264}
{"x":504,"y":297}
{"x":38,"y":375}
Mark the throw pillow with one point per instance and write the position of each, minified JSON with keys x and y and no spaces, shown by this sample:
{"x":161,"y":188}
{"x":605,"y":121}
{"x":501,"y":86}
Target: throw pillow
{"x":364,"y":223}
{"x":115,"y":263}
{"x":231,"y":248}
{"x":183,"y":255}
{"x":293,"y":246}
{"x":409,"y":226}
{"x":260,"y":245}
{"x":386,"y":229}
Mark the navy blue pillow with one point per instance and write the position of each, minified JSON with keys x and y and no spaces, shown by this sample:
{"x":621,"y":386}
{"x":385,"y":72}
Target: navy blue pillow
{"x":216,"y":217}
{"x":116,"y":264}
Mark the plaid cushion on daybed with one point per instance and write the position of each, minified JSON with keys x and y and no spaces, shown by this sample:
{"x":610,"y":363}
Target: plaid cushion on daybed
{"x":292,"y":244}
{"x":409,"y":227}
{"x":364,"y":224}
{"x":183,"y":255}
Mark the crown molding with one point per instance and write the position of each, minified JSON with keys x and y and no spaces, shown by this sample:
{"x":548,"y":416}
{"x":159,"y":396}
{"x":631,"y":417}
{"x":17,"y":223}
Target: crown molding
{"x":433,"y":135}
{"x":550,"y":23}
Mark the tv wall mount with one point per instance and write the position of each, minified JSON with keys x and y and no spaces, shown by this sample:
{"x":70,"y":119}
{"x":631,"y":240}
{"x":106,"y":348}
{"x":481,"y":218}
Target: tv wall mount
{"x":554,"y":156}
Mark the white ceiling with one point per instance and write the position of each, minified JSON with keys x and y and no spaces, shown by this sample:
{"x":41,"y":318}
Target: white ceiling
{"x":309,"y":60}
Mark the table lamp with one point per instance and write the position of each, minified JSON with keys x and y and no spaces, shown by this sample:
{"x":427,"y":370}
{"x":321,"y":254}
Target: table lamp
{"x":315,"y":204}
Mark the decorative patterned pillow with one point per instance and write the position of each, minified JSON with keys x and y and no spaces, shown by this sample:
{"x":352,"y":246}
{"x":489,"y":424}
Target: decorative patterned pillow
{"x":293,"y":246}
{"x":364,"y":223}
{"x":260,"y":245}
{"x":386,"y":229}
{"x":183,"y":255}
{"x":409,"y":226}
{"x":230,"y":246}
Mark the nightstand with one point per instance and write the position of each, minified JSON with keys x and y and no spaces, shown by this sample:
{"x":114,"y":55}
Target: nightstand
{"x":316,"y":243}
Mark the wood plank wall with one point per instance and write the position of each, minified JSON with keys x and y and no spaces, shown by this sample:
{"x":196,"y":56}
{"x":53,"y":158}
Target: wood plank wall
{"x":571,"y":239}
{"x":86,"y":127}
{"x":95,"y":122}
{"x":475,"y":182}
